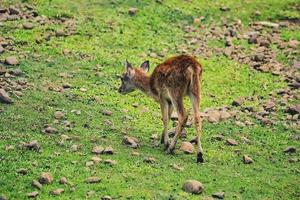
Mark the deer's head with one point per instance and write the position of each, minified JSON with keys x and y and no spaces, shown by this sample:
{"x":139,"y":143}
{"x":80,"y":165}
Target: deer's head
{"x":127,"y":79}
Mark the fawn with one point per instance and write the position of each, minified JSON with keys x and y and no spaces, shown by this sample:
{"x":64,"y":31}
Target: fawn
{"x":169,"y":83}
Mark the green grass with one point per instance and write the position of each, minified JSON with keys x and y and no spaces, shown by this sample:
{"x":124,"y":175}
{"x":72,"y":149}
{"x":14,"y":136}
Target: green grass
{"x":156,"y":26}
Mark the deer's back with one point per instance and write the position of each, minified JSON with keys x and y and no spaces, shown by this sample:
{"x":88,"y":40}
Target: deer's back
{"x":176,"y":72}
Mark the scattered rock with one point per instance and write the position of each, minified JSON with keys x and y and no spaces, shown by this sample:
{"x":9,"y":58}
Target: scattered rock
{"x":22,"y":171}
{"x":89,"y":163}
{"x":60,"y":33}
{"x":110,"y":162}
{"x":93,"y":179}
{"x":231,"y":142}
{"x":16,"y":72}
{"x":13,"y":11}
{"x":218,"y":137}
{"x":97,"y":149}
{"x":37,"y":184}
{"x":247,"y":159}
{"x":218,"y":195}
{"x":293,"y":44}
{"x":176,"y":167}
{"x":290,"y":149}
{"x":33,"y":145}
{"x":193,"y":186}
{"x":28,"y":25}
{"x":267,"y":24}
{"x":58,"y":115}
{"x":45,"y":178}
{"x":224,"y":115}
{"x":57,"y":192}
{"x":172,"y":132}
{"x":11,"y":60}
{"x":74,"y":148}
{"x":32,"y":194}
{"x":1,"y":49}
{"x":96,"y":159}
{"x":238,"y":102}
{"x":106,"y":198}
{"x":293,"y":110}
{"x":107,"y":112}
{"x":49,"y":129}
{"x":63,"y":180}
{"x":4,"y":97}
{"x":187,"y":147}
{"x":150,"y":160}
{"x":132,"y":11}
{"x":108,"y":150}
{"x":130,"y":141}
{"x":224,"y":8}
{"x":213,"y":116}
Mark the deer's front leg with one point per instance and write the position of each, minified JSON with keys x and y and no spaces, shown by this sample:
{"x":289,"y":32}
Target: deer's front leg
{"x":182,"y":118}
{"x":165,"y":117}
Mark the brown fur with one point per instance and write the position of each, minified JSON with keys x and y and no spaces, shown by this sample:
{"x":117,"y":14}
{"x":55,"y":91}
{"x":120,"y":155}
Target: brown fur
{"x":168,"y":84}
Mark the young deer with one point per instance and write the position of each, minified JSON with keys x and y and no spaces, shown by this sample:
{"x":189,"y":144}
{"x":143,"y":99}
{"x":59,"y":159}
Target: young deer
{"x":168,"y":84}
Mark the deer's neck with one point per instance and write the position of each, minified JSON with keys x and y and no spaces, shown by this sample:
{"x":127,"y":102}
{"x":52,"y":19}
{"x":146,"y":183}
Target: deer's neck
{"x":142,"y":82}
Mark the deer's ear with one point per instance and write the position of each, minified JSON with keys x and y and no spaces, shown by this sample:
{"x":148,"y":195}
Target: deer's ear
{"x":127,"y":65}
{"x":145,"y":66}
{"x":129,"y":69}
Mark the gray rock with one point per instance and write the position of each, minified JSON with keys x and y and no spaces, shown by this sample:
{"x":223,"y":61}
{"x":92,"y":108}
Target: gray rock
{"x":193,"y":186}
{"x":4,"y":97}
{"x":93,"y":179}
{"x":11,"y":60}
{"x":218,"y":195}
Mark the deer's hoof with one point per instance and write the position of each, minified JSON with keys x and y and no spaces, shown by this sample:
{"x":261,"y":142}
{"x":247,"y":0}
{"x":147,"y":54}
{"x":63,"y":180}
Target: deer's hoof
{"x":170,"y":150}
{"x":200,"y":157}
{"x":167,"y":145}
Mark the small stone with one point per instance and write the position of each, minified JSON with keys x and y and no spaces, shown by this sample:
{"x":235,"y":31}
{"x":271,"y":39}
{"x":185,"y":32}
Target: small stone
{"x":93,"y":179}
{"x":58,"y":115}
{"x":28,"y":25}
{"x":4,"y":97}
{"x":150,"y":160}
{"x":293,"y":43}
{"x":11,"y":60}
{"x":22,"y":171}
{"x":57,"y":192}
{"x":213,"y":116}
{"x":187,"y":147}
{"x":32,"y":194}
{"x":89,"y":163}
{"x":130,"y":141}
{"x":218,"y":195}
{"x":193,"y":186}
{"x":74,"y":148}
{"x":9,"y":147}
{"x":16,"y":72}
{"x":132,"y":11}
{"x":135,"y":153}
{"x":247,"y":159}
{"x":60,"y":33}
{"x":154,"y":136}
{"x":290,"y":149}
{"x":37,"y":184}
{"x":13,"y":11}
{"x":45,"y":178}
{"x":96,"y":159}
{"x":107,"y":112}
{"x":3,"y":197}
{"x":218,"y":137}
{"x":224,"y":9}
{"x":268,"y":24}
{"x":1,"y":49}
{"x":108,"y":150}
{"x":90,"y":193}
{"x":110,"y":162}
{"x":231,"y":142}
{"x":293,"y":110}
{"x":106,"y":198}
{"x":224,"y":115}
{"x":63,"y":180}
{"x":33,"y":145}
{"x":176,"y":167}
{"x":97,"y":149}
{"x":49,"y":129}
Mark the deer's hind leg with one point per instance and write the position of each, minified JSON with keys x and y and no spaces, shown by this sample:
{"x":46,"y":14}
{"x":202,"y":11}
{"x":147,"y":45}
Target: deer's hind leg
{"x":164,"y":106}
{"x":195,"y":100}
{"x":177,"y":101}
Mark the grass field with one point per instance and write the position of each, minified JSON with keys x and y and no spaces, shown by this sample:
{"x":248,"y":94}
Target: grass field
{"x":91,"y":58}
